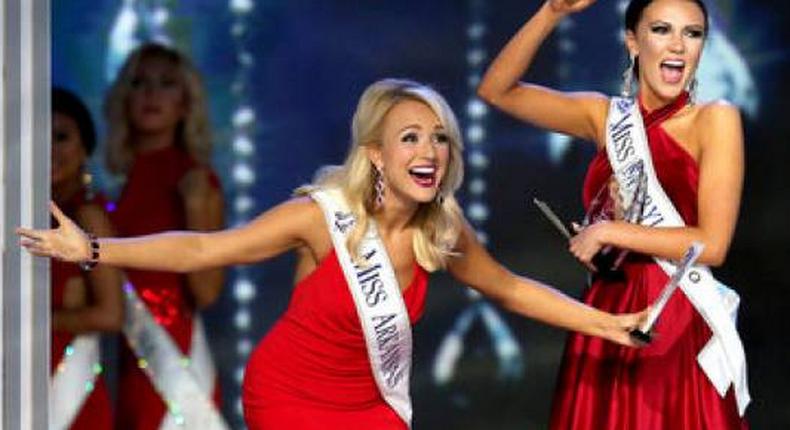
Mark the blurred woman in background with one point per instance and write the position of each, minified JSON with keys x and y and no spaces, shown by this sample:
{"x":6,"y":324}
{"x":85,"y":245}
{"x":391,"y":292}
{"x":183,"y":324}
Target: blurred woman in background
{"x":159,"y":140}
{"x":85,"y":303}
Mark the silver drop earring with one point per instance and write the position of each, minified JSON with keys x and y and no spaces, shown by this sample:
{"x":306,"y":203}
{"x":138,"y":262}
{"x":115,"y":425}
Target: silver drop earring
{"x":628,"y":79}
{"x":691,"y":88}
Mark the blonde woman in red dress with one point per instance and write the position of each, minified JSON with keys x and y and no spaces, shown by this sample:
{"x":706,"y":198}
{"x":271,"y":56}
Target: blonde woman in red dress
{"x":367,"y":234}
{"x":159,"y":140}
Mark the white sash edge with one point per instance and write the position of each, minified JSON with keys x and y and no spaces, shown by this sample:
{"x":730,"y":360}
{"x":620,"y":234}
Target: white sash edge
{"x":722,"y":359}
{"x":385,"y":323}
{"x":69,"y":385}
{"x":184,"y":383}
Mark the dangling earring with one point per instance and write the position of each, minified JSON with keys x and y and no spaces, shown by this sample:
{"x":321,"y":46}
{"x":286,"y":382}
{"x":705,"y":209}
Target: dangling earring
{"x":628,"y":79}
{"x":87,"y":184}
{"x":691,"y":88}
{"x":378,"y":185}
{"x":439,"y":197}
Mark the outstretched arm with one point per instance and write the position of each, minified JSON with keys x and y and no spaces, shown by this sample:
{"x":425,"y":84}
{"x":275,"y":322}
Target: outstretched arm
{"x":578,"y":114}
{"x":476,"y":268}
{"x":102,"y":308}
{"x":721,"y":168}
{"x":278,"y":230}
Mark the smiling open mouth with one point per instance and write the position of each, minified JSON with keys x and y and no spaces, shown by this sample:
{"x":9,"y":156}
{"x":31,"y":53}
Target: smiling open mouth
{"x":424,"y":176}
{"x":672,"y":71}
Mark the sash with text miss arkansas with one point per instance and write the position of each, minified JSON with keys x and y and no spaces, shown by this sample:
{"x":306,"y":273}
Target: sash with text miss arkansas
{"x":722,"y":359}
{"x":378,"y":300}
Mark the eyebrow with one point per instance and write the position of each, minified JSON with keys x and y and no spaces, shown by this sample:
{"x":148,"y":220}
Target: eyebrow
{"x":662,"y":22}
{"x":419,"y":127}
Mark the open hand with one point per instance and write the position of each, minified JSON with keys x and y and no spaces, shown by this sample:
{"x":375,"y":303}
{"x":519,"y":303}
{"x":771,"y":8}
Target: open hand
{"x":569,"y":6}
{"x":622,"y":325}
{"x":67,"y":242}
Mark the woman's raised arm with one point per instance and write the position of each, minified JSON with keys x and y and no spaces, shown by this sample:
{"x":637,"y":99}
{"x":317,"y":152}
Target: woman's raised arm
{"x":578,"y":114}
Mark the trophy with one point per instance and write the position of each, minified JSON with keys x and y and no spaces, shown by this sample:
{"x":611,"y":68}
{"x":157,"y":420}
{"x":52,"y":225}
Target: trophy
{"x":611,"y":203}
{"x":614,"y":202}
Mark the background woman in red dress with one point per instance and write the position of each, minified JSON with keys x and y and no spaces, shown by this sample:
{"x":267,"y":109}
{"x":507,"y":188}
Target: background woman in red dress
{"x":697,"y":150}
{"x":159,"y":140}
{"x":83,"y":303}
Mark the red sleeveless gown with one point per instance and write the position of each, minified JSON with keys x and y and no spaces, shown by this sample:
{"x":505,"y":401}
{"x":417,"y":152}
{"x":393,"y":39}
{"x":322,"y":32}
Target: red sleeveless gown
{"x":96,"y":412}
{"x":603,"y":386}
{"x":151,"y":203}
{"x":311,"y":371}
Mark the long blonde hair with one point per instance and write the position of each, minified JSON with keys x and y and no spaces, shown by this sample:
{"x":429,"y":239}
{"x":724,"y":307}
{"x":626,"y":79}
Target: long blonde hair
{"x":193,"y":134}
{"x":438,"y":222}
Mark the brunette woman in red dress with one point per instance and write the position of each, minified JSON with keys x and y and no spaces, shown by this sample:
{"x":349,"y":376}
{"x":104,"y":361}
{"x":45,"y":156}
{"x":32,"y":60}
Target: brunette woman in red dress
{"x":697,"y":151}
{"x":367,"y":234}
{"x":84,"y":303}
{"x":159,"y":140}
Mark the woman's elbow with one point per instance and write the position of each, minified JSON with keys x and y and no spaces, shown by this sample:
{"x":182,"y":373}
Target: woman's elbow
{"x":488,"y":94}
{"x":716,"y":260}
{"x":715,"y":256}
{"x":206,"y":287}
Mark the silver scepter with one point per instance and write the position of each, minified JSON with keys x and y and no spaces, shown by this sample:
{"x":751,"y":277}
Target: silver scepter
{"x":645,"y":332}
{"x":552,"y":217}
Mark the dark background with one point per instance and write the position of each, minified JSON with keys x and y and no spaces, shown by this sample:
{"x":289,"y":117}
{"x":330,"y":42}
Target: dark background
{"x":310,"y":62}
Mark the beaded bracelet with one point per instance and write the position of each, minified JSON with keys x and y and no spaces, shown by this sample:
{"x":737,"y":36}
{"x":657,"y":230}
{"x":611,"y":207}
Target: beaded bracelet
{"x":89,"y":264}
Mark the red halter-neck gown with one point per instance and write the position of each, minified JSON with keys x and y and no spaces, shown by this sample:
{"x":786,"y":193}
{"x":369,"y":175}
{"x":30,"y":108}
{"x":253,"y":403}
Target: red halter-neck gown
{"x":603,"y":386}
{"x":311,"y":371}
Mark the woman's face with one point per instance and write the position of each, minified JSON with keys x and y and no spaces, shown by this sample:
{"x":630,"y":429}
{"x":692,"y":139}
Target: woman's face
{"x":414,"y":153}
{"x":68,"y":154}
{"x":669,"y":39}
{"x":157,"y":99}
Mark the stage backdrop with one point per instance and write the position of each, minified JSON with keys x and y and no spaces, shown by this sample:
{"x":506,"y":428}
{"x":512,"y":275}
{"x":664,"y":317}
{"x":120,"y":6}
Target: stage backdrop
{"x":283,"y":78}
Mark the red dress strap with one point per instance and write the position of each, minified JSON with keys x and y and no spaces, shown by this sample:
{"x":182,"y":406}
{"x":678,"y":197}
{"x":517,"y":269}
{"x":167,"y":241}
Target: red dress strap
{"x":658,"y":116}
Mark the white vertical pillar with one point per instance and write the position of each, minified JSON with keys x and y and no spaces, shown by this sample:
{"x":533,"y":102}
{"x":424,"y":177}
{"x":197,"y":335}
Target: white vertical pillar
{"x":2,"y":206}
{"x":24,"y":158}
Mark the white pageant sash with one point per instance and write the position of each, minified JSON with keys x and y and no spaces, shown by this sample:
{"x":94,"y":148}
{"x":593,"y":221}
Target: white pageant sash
{"x":73,"y":380}
{"x":379,"y":302}
{"x":185,"y":384}
{"x":722,"y":359}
